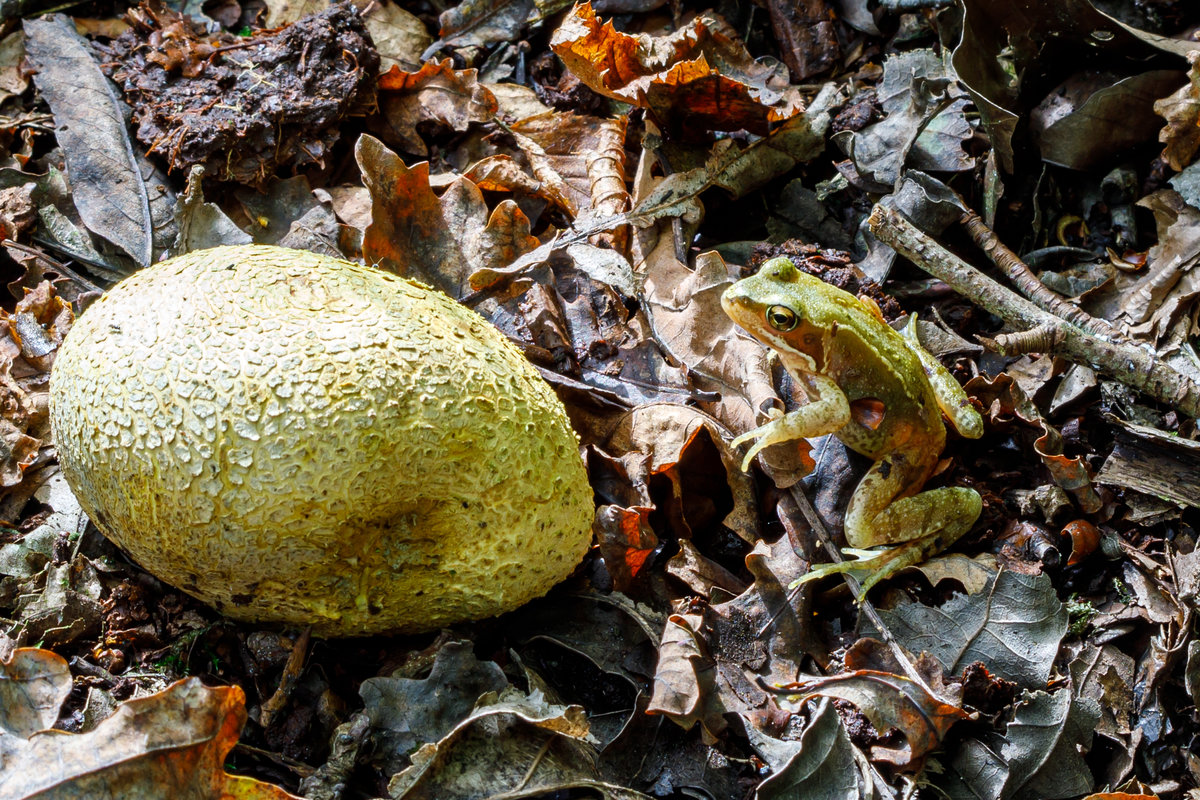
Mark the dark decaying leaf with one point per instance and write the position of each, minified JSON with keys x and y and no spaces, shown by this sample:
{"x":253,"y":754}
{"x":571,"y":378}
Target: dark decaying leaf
{"x":1064,"y":125}
{"x":519,"y":745}
{"x":109,"y":190}
{"x":1016,"y":625}
{"x":477,"y":22}
{"x":1003,"y":42}
{"x":806,"y":35}
{"x":890,"y":701}
{"x":821,"y":765}
{"x":1041,"y":753}
{"x":1003,"y":397}
{"x":407,"y":713}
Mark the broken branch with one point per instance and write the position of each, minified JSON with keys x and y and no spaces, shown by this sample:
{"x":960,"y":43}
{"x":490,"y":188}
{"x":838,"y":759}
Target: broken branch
{"x":1126,"y":363}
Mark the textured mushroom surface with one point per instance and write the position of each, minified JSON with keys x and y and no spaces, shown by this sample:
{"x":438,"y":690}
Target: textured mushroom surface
{"x":298,"y":439}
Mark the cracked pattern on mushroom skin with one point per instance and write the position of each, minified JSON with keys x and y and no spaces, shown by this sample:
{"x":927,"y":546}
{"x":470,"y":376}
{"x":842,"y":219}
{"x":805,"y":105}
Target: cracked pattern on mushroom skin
{"x":298,"y":439}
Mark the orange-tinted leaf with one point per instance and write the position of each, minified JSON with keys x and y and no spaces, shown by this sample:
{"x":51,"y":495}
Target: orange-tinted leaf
{"x":626,"y":542}
{"x":434,"y":93}
{"x":700,"y":77}
{"x":172,"y":743}
{"x":33,"y":685}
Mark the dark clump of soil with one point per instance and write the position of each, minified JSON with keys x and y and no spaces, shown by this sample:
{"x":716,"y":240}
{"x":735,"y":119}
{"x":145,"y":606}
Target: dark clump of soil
{"x":243,"y":106}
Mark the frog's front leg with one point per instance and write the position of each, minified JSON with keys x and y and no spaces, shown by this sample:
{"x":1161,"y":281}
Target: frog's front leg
{"x":826,"y":411}
{"x":920,"y":526}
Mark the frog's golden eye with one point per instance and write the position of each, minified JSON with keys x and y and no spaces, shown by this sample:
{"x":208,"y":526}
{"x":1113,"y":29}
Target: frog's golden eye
{"x":782,"y":318}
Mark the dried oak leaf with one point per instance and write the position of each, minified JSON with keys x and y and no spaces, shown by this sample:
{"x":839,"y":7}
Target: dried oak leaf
{"x":415,"y":233}
{"x":172,"y":743}
{"x":243,"y":107}
{"x":436,"y":94}
{"x":700,"y":77}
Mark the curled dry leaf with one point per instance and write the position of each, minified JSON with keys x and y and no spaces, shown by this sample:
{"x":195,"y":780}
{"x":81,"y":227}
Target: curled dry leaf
{"x":585,"y":156}
{"x":1181,"y":134}
{"x":172,"y":743}
{"x":30,"y":339}
{"x":1002,"y":397}
{"x":889,"y":701}
{"x":683,"y":687}
{"x":1157,"y":305}
{"x":435,"y":93}
{"x":655,"y":440}
{"x":700,"y":78}
{"x":516,"y":743}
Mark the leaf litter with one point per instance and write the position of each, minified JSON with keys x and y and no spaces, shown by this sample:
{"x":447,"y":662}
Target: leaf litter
{"x":595,"y":208}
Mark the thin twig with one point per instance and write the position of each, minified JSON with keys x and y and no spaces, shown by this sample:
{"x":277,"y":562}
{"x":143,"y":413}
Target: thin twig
{"x":1126,"y":363}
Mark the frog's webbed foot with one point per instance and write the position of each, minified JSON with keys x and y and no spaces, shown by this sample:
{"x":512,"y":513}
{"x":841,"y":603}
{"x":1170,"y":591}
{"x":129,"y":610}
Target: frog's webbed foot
{"x":869,"y":567}
{"x":937,"y":517}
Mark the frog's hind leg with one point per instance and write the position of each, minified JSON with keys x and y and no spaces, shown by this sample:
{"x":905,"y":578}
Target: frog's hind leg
{"x":919,"y":526}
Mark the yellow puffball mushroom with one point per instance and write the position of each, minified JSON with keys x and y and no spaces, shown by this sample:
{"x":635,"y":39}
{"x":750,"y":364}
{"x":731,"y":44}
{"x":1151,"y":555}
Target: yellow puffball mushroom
{"x":298,"y":439}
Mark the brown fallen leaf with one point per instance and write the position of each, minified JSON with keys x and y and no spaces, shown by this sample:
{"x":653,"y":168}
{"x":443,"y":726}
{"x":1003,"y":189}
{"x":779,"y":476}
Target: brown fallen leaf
{"x":701,"y":77}
{"x":806,"y":36}
{"x":34,"y":683}
{"x":478,"y":22}
{"x":661,"y":441}
{"x":172,"y":743}
{"x":586,"y":156}
{"x":434,"y":94}
{"x":683,"y":678}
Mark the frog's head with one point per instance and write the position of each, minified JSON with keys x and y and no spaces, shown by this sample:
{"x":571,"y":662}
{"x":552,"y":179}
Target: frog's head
{"x":784,"y":308}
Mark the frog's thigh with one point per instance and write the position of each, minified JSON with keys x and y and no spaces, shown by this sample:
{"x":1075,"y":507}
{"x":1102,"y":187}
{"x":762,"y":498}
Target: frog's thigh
{"x":874,"y":517}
